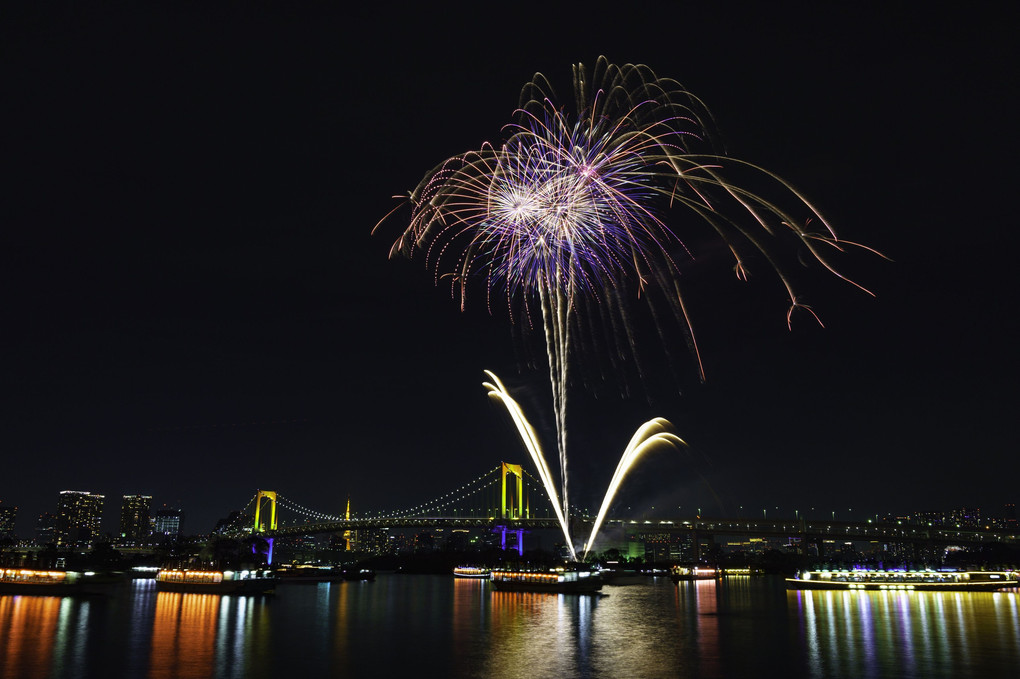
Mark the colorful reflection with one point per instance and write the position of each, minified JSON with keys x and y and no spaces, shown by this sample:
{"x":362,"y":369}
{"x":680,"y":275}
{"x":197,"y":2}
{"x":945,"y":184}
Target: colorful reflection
{"x":183,"y":635}
{"x":42,"y":635}
{"x":29,"y":625}
{"x":204,"y":635}
{"x":911,"y":634}
{"x":698,"y":623}
{"x":528,"y":625}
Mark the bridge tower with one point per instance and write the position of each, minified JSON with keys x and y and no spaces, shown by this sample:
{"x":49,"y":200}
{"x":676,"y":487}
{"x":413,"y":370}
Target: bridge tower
{"x":518,"y":507}
{"x":260,"y":526}
{"x":270,"y":495}
{"x":522,"y":508}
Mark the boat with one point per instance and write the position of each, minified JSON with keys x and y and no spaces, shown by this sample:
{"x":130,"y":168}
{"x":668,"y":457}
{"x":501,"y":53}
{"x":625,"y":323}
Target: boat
{"x":682,"y":573}
{"x":623,"y":576}
{"x":742,"y":572}
{"x":352,"y":574}
{"x":930,"y":580}
{"x":475,"y":572}
{"x":309,"y":573}
{"x":258,"y":581}
{"x":559,"y":581}
{"x":44,"y":582}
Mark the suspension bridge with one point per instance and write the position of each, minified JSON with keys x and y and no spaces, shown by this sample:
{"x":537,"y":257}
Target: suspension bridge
{"x":509,"y":500}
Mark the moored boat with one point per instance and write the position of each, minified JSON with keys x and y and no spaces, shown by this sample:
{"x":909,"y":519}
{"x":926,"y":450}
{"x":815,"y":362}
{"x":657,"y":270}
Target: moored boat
{"x":623,"y":576}
{"x":940,"y":581}
{"x":44,"y":582}
{"x":309,"y":573}
{"x":351,"y":574}
{"x":742,"y":572}
{"x":681,"y":573}
{"x":259,"y":581}
{"x":475,"y":572}
{"x":559,"y":581}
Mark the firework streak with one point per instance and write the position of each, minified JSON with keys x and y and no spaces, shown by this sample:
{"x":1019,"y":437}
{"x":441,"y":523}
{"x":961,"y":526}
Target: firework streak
{"x":570,"y":206}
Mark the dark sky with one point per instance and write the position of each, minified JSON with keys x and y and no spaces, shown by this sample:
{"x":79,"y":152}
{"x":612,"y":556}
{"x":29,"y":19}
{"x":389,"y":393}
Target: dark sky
{"x":194,"y":306}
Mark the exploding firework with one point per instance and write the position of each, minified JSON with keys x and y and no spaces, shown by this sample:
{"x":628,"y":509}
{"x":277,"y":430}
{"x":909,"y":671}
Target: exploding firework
{"x":571,"y":208}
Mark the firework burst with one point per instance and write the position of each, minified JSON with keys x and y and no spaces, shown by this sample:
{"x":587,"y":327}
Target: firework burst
{"x":573,"y":205}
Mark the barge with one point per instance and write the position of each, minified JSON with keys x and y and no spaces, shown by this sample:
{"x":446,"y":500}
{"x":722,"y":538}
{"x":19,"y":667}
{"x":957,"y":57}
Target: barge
{"x":559,"y":581}
{"x":940,"y":581}
{"x":45,"y":582}
{"x":258,"y":581}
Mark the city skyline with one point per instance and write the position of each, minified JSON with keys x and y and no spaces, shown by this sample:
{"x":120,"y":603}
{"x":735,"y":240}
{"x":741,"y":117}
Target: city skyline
{"x":196,"y":307}
{"x":139,"y":521}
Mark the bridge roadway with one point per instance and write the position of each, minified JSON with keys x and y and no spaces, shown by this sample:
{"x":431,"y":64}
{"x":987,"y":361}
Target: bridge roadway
{"x":777,"y":528}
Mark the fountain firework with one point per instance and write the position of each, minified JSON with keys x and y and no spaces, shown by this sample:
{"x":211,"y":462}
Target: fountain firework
{"x":569,"y":207}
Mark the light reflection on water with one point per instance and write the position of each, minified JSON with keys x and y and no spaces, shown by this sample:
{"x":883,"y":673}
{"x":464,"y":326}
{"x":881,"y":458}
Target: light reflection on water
{"x":460,"y":628}
{"x":909,"y":634}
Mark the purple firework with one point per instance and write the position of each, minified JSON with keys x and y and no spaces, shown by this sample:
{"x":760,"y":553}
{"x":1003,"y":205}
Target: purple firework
{"x":571,"y":206}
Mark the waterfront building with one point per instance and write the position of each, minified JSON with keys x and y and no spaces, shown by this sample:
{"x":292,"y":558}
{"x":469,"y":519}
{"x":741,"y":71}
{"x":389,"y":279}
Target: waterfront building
{"x":459,"y":540}
{"x":657,"y":547}
{"x":376,"y":541}
{"x":931,"y":518}
{"x":8,"y":514}
{"x":424,"y":542}
{"x":965,"y":517}
{"x":134,"y":517}
{"x":45,"y":529}
{"x":168,"y":523}
{"x":79,"y":517}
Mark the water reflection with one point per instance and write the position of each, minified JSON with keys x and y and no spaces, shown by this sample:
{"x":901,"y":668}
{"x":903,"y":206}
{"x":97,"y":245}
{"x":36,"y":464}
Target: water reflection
{"x":702,"y":629}
{"x":71,"y":637}
{"x":29,"y":624}
{"x":552,"y":630}
{"x":907,"y":634}
{"x":203,"y":635}
{"x":183,"y":635}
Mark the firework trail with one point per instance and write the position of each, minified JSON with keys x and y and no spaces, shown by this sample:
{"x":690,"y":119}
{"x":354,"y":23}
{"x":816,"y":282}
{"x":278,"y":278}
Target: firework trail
{"x":573,"y":205}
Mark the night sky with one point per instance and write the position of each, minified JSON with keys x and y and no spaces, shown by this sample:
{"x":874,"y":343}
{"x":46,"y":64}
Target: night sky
{"x":194,"y":305}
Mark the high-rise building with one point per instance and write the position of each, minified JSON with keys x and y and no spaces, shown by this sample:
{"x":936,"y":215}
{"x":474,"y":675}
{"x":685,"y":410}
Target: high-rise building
{"x":45,"y":529}
{"x":7,"y":515}
{"x":168,"y":523}
{"x":134,"y":517}
{"x":79,"y":517}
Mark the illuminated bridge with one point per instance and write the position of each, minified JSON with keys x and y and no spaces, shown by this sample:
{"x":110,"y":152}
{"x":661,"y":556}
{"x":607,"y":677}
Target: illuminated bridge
{"x":509,"y":499}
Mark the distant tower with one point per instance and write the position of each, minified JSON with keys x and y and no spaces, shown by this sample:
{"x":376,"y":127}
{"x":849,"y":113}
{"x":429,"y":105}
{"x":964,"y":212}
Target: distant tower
{"x":79,"y":517}
{"x":350,"y":536}
{"x":7,"y":515}
{"x":168,"y":523}
{"x":134,"y":517}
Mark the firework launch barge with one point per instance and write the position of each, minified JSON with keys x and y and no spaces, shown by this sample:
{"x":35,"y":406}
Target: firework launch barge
{"x":937,"y":581}
{"x":560,"y":581}
{"x":216,"y":582}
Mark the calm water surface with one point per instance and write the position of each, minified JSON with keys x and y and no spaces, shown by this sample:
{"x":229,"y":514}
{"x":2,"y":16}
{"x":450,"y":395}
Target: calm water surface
{"x":402,"y":625}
